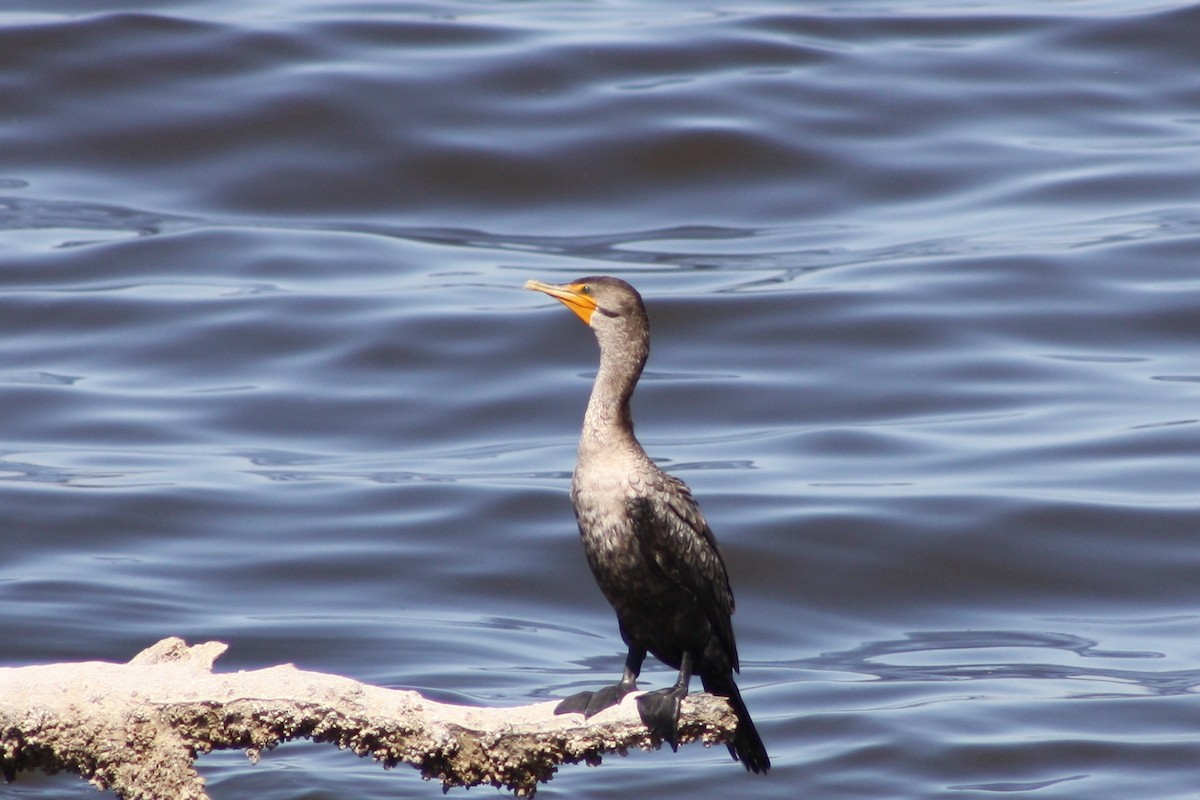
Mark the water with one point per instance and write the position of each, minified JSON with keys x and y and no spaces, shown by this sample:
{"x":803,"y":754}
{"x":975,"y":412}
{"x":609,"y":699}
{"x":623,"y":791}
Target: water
{"x":924,"y":284}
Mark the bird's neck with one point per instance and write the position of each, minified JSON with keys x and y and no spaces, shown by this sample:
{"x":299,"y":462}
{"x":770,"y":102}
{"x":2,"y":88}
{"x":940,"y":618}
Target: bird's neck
{"x":608,"y":421}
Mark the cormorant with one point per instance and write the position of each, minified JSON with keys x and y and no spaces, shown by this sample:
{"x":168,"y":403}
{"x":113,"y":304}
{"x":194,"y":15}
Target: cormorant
{"x":652,"y":553}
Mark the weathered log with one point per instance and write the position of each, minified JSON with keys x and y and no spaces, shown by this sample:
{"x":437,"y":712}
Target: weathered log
{"x":137,"y":728}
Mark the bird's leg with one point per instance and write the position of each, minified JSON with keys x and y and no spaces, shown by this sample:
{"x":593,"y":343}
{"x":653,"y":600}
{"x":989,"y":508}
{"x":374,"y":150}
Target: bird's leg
{"x":659,"y":709}
{"x":590,"y":703}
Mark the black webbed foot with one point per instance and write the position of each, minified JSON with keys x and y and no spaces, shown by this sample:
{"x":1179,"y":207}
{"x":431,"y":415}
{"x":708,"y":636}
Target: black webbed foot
{"x":592,"y":703}
{"x":659,"y":711}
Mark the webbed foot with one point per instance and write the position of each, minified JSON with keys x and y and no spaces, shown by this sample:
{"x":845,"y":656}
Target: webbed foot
{"x":592,"y":703}
{"x":659,"y":711}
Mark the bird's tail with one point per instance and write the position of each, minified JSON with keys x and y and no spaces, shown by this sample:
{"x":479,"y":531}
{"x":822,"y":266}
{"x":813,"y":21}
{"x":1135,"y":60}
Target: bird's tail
{"x":747,"y":746}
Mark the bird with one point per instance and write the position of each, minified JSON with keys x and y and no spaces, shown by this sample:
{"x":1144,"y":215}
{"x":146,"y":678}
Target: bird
{"x":650,"y":549}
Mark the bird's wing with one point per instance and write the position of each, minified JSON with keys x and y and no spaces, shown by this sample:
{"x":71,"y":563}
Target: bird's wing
{"x":676,"y":540}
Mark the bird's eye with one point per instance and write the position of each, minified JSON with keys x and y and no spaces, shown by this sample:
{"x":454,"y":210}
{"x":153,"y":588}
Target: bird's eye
{"x":585,"y":289}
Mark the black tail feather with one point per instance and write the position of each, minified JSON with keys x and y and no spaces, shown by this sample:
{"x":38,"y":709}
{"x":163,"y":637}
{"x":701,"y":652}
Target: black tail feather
{"x":747,"y":746}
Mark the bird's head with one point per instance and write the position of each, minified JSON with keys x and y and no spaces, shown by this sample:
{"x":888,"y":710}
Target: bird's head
{"x":599,"y":300}
{"x":612,"y":309}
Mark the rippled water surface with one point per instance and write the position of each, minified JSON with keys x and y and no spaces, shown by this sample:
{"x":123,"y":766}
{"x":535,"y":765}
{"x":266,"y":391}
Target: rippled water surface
{"x":925,"y":288}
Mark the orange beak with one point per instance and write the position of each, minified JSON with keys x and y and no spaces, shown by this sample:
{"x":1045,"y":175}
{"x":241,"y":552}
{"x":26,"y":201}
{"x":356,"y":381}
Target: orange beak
{"x":570,"y":295}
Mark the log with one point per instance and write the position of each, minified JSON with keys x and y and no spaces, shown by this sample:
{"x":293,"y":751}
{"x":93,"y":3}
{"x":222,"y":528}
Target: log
{"x":137,"y":728}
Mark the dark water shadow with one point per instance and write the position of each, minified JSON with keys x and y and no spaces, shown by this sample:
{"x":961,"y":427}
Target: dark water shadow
{"x":872,"y":659}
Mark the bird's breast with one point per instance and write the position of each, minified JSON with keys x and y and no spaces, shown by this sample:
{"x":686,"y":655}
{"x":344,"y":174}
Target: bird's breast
{"x":601,"y":493}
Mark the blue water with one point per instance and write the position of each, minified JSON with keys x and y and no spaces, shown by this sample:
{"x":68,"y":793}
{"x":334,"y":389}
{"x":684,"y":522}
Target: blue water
{"x":924,"y":280}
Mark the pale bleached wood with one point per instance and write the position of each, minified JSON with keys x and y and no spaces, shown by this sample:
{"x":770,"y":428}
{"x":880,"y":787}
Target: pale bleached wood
{"x":136,"y":728}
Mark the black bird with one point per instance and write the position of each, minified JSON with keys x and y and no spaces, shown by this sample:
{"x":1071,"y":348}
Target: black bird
{"x":652,"y":553}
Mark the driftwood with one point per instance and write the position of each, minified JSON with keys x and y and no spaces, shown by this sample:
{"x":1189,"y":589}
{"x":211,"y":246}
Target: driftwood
{"x":137,"y":728}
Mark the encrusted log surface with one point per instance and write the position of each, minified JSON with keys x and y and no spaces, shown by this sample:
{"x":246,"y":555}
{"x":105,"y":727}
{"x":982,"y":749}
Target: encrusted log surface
{"x":137,"y":728}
